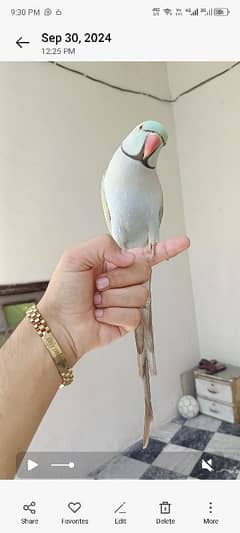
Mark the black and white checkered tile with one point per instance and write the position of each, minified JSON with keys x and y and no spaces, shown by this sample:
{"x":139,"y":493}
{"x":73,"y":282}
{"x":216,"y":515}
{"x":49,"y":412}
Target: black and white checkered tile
{"x":200,"y":448}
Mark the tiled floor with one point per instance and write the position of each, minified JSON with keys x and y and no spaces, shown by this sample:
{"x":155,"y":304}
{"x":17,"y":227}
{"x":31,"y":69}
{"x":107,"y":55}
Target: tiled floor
{"x":179,"y":450}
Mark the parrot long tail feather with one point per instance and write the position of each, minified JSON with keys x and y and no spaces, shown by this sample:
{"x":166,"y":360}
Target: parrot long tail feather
{"x":144,"y":336}
{"x":146,"y":360}
{"x":148,"y":412}
{"x":141,"y":354}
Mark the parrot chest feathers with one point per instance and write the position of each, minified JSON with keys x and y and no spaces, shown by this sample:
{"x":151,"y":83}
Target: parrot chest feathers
{"x":133,"y":197}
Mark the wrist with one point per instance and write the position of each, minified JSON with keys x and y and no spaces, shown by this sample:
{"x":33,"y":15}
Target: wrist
{"x":59,"y":331}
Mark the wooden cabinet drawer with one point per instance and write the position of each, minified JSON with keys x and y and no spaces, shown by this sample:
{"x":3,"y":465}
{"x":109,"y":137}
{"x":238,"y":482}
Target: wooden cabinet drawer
{"x":214,"y":390}
{"x":216,"y":409}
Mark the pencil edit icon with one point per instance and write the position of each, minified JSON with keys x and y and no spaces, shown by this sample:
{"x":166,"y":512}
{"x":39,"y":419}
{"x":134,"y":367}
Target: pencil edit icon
{"x":121,"y":509}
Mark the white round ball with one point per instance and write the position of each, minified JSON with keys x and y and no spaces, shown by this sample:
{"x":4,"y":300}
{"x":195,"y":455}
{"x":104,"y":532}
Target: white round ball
{"x":188,"y":406}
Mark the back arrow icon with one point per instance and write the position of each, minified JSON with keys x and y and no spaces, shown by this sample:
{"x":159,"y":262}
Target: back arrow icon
{"x":19,"y":42}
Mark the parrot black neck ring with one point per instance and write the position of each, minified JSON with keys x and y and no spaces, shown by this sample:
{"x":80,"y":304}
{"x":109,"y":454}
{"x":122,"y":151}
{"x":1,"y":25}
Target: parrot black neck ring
{"x":139,"y":158}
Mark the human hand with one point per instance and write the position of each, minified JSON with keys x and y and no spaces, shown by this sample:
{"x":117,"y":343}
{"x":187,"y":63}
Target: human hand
{"x":96,"y":292}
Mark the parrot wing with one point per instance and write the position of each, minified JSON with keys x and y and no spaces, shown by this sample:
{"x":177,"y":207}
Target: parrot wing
{"x":105,"y":207}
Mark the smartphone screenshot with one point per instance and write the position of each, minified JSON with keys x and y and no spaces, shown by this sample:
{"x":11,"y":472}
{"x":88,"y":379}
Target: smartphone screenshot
{"x":119,"y":266}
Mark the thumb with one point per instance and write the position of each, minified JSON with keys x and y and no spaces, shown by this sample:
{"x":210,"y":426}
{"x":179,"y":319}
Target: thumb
{"x":94,"y":252}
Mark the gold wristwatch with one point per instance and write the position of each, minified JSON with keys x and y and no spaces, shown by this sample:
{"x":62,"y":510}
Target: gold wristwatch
{"x":43,"y":330}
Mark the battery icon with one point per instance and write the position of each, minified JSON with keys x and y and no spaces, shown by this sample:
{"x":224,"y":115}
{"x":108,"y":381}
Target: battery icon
{"x":221,"y":12}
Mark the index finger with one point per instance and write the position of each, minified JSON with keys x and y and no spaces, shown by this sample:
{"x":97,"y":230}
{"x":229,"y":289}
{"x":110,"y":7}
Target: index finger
{"x":164,"y":250}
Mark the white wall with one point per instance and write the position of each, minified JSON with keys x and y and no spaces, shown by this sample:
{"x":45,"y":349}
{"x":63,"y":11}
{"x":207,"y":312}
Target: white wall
{"x":185,"y":74}
{"x":207,"y":126}
{"x":58,"y":132}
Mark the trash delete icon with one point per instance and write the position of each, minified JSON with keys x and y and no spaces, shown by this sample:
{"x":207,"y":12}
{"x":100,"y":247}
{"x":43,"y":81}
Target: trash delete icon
{"x":165,"y":508}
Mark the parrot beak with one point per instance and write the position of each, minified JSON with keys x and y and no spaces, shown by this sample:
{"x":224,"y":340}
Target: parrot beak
{"x":153,"y":141}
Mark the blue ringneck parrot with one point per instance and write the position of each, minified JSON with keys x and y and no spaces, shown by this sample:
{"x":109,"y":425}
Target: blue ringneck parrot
{"x":132,"y":202}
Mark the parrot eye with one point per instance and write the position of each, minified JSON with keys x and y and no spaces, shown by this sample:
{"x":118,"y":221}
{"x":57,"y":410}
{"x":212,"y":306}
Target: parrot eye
{"x":141,"y":127}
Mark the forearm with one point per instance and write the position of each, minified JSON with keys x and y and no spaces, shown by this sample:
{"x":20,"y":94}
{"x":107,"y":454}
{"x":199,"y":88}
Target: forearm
{"x":28,"y":382}
{"x":29,"y":378}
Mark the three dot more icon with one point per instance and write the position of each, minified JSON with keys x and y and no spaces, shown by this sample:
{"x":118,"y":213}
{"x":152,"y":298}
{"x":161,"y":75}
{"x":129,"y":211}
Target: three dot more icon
{"x":210,"y":507}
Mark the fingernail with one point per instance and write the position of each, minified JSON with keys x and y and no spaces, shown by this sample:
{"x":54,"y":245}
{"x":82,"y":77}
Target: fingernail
{"x":97,"y":298}
{"x":102,"y":283}
{"x":98,"y":313}
{"x":126,"y":252}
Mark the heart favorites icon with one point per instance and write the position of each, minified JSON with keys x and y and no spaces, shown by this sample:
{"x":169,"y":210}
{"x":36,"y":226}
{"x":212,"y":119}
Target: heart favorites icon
{"x":74,"y":507}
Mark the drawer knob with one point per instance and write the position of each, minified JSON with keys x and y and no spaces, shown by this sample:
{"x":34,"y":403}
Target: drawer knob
{"x":213,"y":410}
{"x":212,"y":391}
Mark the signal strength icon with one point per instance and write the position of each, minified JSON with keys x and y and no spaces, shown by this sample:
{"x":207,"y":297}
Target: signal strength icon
{"x":194,"y":13}
{"x":209,"y":13}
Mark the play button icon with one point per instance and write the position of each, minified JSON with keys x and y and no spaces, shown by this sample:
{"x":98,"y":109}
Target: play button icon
{"x":31,"y":465}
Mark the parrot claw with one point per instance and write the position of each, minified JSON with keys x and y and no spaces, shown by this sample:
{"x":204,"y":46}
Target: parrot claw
{"x":152,"y":249}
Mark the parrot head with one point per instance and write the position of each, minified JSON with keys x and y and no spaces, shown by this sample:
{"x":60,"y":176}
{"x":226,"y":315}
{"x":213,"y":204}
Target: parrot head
{"x":145,"y":142}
